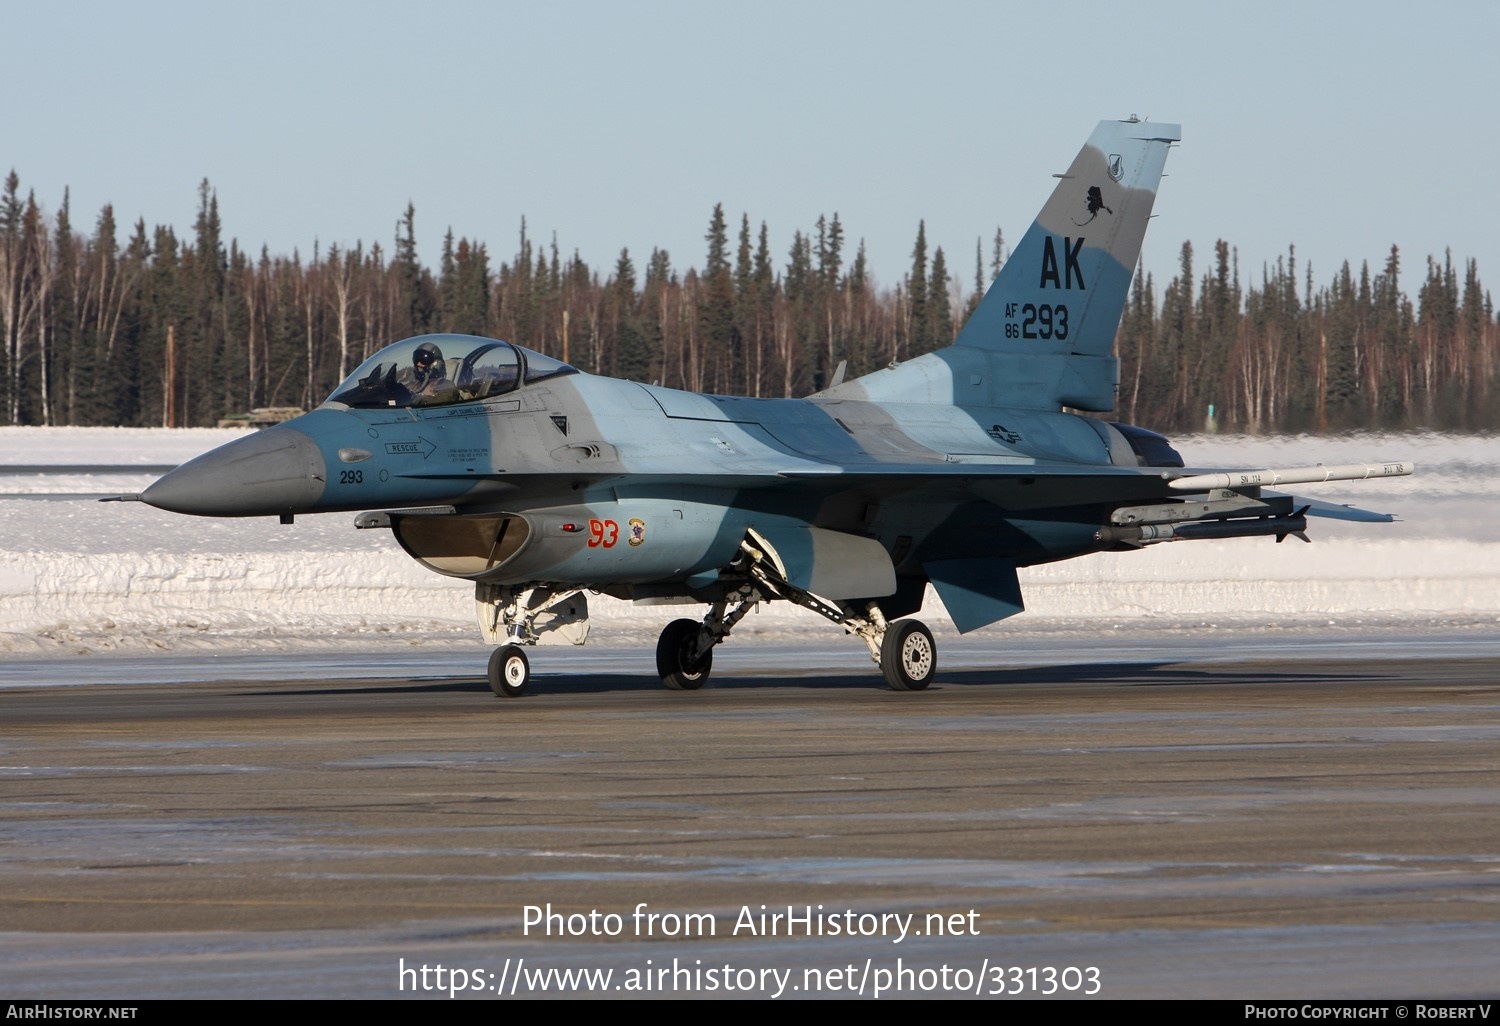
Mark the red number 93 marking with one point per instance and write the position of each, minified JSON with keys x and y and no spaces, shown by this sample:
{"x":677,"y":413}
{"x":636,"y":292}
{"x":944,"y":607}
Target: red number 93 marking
{"x":603,"y":533}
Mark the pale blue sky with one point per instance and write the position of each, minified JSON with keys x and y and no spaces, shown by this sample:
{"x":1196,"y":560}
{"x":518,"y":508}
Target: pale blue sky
{"x":1340,"y":127}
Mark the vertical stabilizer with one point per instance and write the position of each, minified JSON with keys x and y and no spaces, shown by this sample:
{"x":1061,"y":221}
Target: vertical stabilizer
{"x":1043,"y":337}
{"x":1064,"y":287}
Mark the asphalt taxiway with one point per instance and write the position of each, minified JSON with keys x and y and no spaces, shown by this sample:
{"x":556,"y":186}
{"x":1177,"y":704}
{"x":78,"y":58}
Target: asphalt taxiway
{"x":1316,"y":826}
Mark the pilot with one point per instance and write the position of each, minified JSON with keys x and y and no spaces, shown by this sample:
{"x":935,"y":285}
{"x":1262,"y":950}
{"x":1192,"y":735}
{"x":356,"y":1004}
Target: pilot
{"x":429,"y":382}
{"x":428,"y":366}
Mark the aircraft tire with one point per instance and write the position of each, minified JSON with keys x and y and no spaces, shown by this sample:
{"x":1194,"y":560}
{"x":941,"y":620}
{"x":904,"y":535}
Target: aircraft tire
{"x":510,"y":671}
{"x":671,"y":651}
{"x":908,"y":655}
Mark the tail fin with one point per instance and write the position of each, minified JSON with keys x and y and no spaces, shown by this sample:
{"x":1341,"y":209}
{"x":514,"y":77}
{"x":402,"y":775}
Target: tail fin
{"x":1044,"y":335}
{"x":1058,"y":299}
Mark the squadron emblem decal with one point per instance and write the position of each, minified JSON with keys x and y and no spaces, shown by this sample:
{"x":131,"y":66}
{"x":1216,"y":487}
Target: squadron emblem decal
{"x":1095,"y":204}
{"x":637,"y":531}
{"x":1116,"y":167}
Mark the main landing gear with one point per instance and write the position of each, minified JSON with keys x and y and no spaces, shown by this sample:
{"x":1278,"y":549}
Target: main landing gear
{"x":684,"y":656}
{"x":904,"y":650}
{"x":516,"y":616}
{"x":908,"y":655}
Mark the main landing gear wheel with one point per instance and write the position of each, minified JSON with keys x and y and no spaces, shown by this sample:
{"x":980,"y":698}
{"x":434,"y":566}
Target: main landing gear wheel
{"x":908,"y":655}
{"x":674,"y":656}
{"x":510,"y":671}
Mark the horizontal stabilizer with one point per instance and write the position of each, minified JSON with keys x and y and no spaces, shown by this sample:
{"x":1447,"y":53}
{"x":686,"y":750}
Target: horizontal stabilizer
{"x":1335,"y":510}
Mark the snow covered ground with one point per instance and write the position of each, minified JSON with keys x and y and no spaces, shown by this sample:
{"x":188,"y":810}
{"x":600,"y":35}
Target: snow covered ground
{"x":78,"y":576}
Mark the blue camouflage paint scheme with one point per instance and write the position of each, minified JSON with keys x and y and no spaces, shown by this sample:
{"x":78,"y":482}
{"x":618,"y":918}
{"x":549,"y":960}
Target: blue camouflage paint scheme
{"x":954,"y":468}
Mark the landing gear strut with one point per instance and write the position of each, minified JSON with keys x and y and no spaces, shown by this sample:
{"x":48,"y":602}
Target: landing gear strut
{"x":904,"y":650}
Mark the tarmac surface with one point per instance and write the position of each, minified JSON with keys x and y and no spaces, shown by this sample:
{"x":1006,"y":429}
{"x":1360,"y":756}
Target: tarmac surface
{"x":1297,"y":827}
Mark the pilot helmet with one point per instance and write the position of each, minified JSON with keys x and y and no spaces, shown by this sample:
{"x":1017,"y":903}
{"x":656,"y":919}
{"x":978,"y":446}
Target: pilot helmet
{"x":427,"y":355}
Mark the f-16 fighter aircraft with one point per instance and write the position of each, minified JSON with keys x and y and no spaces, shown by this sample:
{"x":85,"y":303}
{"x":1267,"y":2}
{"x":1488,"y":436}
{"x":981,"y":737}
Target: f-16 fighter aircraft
{"x":541,"y":484}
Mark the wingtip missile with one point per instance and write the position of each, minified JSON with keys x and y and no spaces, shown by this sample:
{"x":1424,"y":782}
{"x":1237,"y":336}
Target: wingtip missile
{"x":1297,"y":475}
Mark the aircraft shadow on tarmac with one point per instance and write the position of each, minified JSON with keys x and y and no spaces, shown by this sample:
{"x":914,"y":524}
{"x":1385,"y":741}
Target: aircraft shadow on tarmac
{"x":1123,"y":674}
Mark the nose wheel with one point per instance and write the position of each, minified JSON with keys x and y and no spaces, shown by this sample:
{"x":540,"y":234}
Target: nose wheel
{"x":510,"y":671}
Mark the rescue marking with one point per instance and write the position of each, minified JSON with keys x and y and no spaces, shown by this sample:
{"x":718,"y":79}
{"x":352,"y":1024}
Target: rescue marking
{"x":419,"y":447}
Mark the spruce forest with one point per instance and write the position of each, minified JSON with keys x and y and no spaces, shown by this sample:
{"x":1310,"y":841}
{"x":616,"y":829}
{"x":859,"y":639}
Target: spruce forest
{"x":130,"y":327}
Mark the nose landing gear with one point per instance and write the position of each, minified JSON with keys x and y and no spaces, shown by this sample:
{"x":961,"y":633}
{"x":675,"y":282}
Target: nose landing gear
{"x":510,"y":671}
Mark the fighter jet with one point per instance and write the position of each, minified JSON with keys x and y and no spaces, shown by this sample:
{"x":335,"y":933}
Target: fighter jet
{"x":542,"y":484}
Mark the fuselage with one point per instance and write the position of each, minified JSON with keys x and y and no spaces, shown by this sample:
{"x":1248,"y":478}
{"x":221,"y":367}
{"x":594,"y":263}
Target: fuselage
{"x":613,"y":481}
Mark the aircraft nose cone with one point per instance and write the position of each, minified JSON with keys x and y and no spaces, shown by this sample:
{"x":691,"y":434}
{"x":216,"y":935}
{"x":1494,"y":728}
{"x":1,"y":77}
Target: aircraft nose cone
{"x":277,"y":470}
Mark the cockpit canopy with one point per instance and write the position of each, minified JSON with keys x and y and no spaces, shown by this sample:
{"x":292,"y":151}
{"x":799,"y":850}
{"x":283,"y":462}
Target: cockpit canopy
{"x":439,"y":370}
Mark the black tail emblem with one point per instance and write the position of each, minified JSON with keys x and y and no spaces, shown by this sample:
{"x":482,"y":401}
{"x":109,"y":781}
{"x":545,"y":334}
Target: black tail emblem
{"x":1095,"y":204}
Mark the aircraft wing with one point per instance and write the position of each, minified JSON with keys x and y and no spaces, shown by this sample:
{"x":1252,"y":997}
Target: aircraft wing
{"x":1015,"y":485}
{"x":1009,"y":485}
